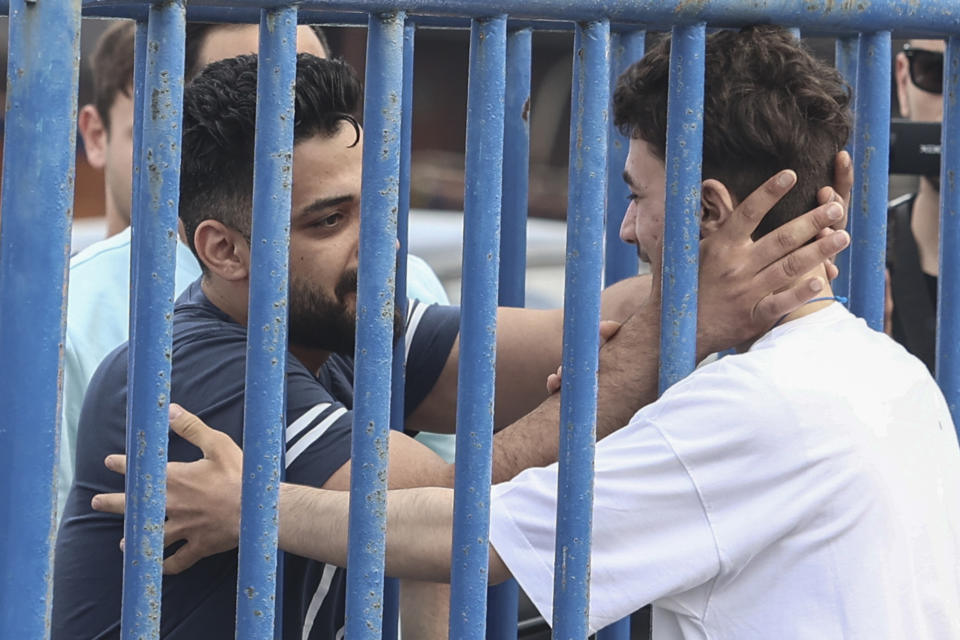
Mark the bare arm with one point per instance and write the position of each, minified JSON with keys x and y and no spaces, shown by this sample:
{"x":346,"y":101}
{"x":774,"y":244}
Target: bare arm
{"x":745,"y":287}
{"x":529,"y":347}
{"x":419,"y":530}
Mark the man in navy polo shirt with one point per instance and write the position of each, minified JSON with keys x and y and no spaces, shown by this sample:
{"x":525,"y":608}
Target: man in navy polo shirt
{"x":209,"y":351}
{"x":209,"y":346}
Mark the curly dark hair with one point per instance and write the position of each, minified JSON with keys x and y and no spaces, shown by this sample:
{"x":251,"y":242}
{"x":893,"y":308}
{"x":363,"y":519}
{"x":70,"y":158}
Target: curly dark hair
{"x":219,"y":114}
{"x":768,"y":105}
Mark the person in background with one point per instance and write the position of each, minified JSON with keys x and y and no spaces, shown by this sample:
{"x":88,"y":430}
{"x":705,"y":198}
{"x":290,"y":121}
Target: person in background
{"x":914,"y":219}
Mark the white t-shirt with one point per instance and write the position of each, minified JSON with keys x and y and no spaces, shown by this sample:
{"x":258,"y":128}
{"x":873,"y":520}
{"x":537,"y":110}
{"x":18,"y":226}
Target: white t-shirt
{"x":809,"y":488}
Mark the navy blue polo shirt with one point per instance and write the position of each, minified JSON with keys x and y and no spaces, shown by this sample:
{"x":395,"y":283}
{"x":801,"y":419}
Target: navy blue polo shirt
{"x":209,"y":354}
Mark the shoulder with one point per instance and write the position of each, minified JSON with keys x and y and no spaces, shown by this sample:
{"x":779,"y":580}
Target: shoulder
{"x":108,"y":251}
{"x":98,"y":293}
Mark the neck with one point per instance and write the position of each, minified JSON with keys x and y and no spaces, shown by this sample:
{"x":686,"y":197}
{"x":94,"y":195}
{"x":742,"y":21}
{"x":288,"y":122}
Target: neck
{"x":925,"y":225}
{"x":115,"y":222}
{"x":231,"y":298}
{"x":821,"y":300}
{"x":311,"y":358}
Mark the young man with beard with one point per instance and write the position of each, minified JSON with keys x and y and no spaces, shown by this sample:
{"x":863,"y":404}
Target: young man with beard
{"x":808,"y":486}
{"x":99,"y":292}
{"x":915,"y":218}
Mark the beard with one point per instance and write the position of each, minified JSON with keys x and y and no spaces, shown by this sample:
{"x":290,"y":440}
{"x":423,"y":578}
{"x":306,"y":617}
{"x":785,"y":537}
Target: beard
{"x":319,"y":321}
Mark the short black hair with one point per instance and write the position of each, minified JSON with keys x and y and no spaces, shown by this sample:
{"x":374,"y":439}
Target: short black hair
{"x":768,"y":105}
{"x":219,"y":125}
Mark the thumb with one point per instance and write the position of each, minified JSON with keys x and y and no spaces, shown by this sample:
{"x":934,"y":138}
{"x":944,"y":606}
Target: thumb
{"x":193,"y":429}
{"x":608,"y":329}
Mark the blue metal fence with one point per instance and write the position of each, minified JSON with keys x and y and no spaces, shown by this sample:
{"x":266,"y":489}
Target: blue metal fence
{"x":34,"y":248}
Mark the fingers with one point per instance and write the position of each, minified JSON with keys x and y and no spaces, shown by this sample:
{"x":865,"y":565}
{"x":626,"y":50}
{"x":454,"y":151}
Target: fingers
{"x":109,"y":502}
{"x":555,"y":381}
{"x":843,"y":176}
{"x":787,"y":238}
{"x":184,"y":558}
{"x":776,"y":305}
{"x":832,"y":270}
{"x":608,"y":329}
{"x":751,"y":211}
{"x":116,"y":463}
{"x":195,"y":431}
{"x":784,"y":272}
{"x":842,"y":186}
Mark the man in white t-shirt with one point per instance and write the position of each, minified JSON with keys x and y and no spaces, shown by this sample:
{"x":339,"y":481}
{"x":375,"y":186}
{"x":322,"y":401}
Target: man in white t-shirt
{"x":808,"y":487}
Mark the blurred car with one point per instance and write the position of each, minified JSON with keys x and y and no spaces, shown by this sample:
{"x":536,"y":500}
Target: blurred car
{"x":437,"y":237}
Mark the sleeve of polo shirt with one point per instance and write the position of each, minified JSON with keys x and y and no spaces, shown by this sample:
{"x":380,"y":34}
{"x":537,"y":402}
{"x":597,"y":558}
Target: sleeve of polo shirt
{"x":430,"y":333}
{"x":318,"y":430}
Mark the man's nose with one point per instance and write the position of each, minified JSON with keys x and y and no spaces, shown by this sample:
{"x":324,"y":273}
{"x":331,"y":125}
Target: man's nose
{"x":628,"y":228}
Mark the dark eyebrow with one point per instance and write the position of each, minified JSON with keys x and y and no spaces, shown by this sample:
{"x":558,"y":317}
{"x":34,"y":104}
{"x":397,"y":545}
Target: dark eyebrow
{"x":628,"y":179}
{"x":324,"y":203}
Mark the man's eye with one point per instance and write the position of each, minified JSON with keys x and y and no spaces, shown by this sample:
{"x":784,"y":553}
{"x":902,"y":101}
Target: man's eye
{"x":329,"y":221}
{"x":632,"y":197}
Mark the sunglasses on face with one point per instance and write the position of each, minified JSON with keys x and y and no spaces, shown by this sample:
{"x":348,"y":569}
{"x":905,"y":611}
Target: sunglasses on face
{"x":926,"y":68}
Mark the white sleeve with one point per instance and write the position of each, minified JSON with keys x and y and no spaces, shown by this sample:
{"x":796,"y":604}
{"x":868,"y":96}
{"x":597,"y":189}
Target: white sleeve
{"x":651,"y":536}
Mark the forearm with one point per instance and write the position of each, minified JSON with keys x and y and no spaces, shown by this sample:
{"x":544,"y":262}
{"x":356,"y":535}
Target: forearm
{"x":314,"y":523}
{"x":424,"y":609}
{"x":627,"y":381}
{"x":622,"y":299}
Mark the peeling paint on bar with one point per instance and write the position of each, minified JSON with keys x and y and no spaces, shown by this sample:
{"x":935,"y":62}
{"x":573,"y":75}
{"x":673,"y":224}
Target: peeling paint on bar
{"x":374,"y":352}
{"x":486,"y":95}
{"x":589,"y":133}
{"x":264,"y":407}
{"x":678,"y":316}
{"x":868,"y":207}
{"x":154,"y":221}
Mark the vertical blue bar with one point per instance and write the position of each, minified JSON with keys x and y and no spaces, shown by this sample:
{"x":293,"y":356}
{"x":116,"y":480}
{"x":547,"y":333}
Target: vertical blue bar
{"x":589,"y":130}
{"x":871,"y":161}
{"x":154,"y":229}
{"x":391,"y":590}
{"x":264,"y":411}
{"x":486,"y":94}
{"x":621,"y":258}
{"x":139,"y":78}
{"x":847,"y":53}
{"x":678,"y":316}
{"x":34,"y":255}
{"x":948,"y":299}
{"x":516,"y":174}
{"x":502,"y":598}
{"x":375,"y":309}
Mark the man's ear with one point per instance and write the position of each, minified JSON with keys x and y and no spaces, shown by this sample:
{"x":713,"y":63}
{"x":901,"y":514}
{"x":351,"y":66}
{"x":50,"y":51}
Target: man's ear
{"x":223,"y":250}
{"x":901,"y":72}
{"x":94,"y":135}
{"x":717,"y":204}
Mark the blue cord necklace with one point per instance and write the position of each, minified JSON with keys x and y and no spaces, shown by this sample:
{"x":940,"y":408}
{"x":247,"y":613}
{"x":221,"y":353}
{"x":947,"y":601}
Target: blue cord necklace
{"x":840,"y":299}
